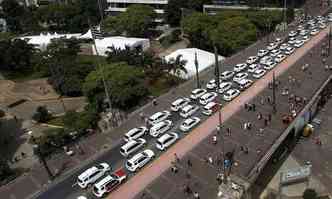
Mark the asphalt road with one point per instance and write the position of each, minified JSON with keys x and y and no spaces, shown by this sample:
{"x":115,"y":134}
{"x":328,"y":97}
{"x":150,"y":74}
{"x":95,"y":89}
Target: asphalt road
{"x":68,"y":188}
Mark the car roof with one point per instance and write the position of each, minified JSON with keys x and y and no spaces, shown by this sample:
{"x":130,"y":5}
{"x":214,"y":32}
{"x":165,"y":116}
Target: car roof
{"x":197,"y":90}
{"x":88,"y":172}
{"x":186,"y":108}
{"x":210,"y":105}
{"x":189,"y":120}
{"x":164,"y":137}
{"x":103,"y":181}
{"x":160,"y":124}
{"x":178,"y":101}
{"x":135,"y":157}
{"x":156,"y":115}
{"x":225,"y":83}
{"x":243,"y":81}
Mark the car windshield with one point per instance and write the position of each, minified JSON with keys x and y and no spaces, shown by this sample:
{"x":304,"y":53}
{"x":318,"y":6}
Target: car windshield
{"x":129,"y":164}
{"x":99,"y":167}
{"x":95,"y":189}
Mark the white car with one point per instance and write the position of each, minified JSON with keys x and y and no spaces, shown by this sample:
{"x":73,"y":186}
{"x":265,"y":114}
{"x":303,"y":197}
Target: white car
{"x":292,"y":33}
{"x":272,"y":46}
{"x":279,"y":58}
{"x":305,"y":38}
{"x":240,"y":76}
{"x":166,"y":140}
{"x":314,"y":32}
{"x":210,"y":108}
{"x":300,"y":27}
{"x":131,"y":146}
{"x":135,"y":133}
{"x":321,"y":25}
{"x":269,"y":65}
{"x":252,"y":59}
{"x":275,"y":52}
{"x":231,"y":94}
{"x":262,"y":53}
{"x":189,"y":123}
{"x":239,"y":67}
{"x":92,"y":174}
{"x":179,"y":103}
{"x":289,"y":50}
{"x":109,"y":183}
{"x":227,"y":75}
{"x":304,"y":32}
{"x":212,"y":84}
{"x":188,"y":110}
{"x":139,"y":160}
{"x":291,"y":40}
{"x":244,"y":84}
{"x":161,"y":128}
{"x":224,"y":86}
{"x":197,"y":93}
{"x":278,"y":41}
{"x":265,"y":59}
{"x":298,"y":43}
{"x":253,"y":67}
{"x":158,"y":117}
{"x":284,"y":46}
{"x":259,"y":73}
{"x":208,"y":97}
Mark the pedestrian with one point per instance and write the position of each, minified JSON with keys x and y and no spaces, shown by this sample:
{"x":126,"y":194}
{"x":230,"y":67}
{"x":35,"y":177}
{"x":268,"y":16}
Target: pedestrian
{"x":269,"y":100}
{"x":249,"y":125}
{"x":154,"y":102}
{"x":259,"y":116}
{"x":142,"y":116}
{"x":23,"y":154}
{"x":187,"y":190}
{"x":254,"y":107}
{"x":188,"y":176}
{"x":196,"y":195}
{"x":189,"y":163}
{"x":174,"y":169}
{"x":229,"y":131}
{"x":246,"y":150}
{"x":246,"y":106}
{"x":210,"y":160}
{"x":269,"y":117}
{"x":214,"y":139}
{"x":245,"y":126}
{"x":266,"y":122}
{"x":262,"y":101}
{"x":15,"y":118}
{"x":177,"y":159}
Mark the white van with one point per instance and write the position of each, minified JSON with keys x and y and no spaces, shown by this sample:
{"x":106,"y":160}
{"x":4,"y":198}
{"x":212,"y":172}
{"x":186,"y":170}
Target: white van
{"x":166,"y":140}
{"x":139,"y":160}
{"x":188,"y":110}
{"x":92,"y":174}
{"x":132,"y":146}
{"x":160,"y":128}
{"x":179,"y":103}
{"x":210,"y":108}
{"x":109,"y":183}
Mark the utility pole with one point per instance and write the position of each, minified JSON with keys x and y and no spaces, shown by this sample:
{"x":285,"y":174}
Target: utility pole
{"x":219,"y":112}
{"x":197,"y":75}
{"x":41,"y":157}
{"x":329,"y":36}
{"x":274,"y":94}
{"x":285,"y":15}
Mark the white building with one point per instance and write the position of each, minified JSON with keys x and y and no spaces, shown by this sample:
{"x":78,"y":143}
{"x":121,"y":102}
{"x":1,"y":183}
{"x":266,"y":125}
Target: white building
{"x":103,"y":45}
{"x":118,"y":6}
{"x":205,"y":60}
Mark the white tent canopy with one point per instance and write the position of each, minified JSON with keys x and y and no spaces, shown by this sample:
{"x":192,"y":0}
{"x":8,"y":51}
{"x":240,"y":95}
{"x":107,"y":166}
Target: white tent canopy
{"x":43,"y":40}
{"x":120,"y":43}
{"x":205,"y":59}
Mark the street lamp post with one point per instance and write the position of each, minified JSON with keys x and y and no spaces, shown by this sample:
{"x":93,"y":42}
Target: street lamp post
{"x":329,"y":37}
{"x":274,"y":94}
{"x":42,"y":160}
{"x":197,"y":75}
{"x":285,"y":15}
{"x":219,"y":112}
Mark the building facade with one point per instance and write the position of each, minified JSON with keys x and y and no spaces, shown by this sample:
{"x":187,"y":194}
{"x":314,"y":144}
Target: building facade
{"x":115,"y":7}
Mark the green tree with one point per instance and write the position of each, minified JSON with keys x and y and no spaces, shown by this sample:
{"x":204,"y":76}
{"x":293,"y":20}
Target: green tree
{"x":197,"y":27}
{"x":309,"y":194}
{"x":41,"y":114}
{"x":12,"y":12}
{"x":126,"y":84}
{"x":173,"y":9}
{"x":233,"y":34}
{"x":135,"y":22}
{"x":67,"y":72}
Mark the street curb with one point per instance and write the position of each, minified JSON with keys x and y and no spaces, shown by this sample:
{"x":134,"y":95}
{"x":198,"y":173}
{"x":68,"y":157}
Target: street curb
{"x":69,"y":173}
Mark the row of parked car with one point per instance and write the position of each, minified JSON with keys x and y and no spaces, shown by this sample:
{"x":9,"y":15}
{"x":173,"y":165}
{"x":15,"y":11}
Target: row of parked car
{"x":231,"y":83}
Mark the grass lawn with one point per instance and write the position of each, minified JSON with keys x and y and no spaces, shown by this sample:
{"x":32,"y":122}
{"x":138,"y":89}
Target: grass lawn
{"x":57,"y":121}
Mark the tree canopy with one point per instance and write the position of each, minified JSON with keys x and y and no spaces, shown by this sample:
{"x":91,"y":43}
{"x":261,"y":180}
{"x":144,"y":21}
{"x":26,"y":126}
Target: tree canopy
{"x":310,"y":194}
{"x":126,"y":84}
{"x":135,"y":22}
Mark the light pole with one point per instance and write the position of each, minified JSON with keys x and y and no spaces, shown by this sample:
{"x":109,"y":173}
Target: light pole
{"x":41,"y":157}
{"x":219,"y":112}
{"x":274,"y":94}
{"x":329,"y":36}
{"x":197,"y":75}
{"x":285,"y":15}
